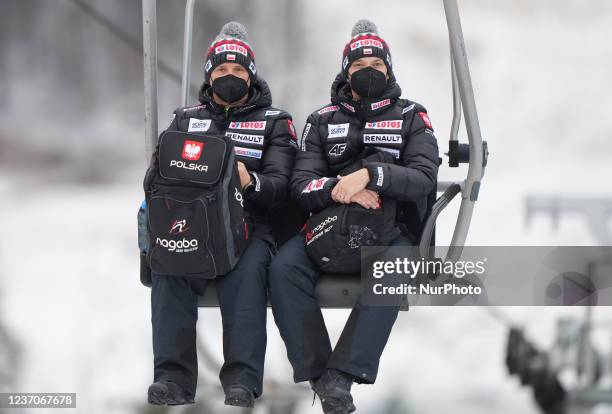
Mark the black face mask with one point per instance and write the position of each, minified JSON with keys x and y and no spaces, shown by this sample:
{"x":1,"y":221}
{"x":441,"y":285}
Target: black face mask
{"x":368,"y":82}
{"x":230,"y":88}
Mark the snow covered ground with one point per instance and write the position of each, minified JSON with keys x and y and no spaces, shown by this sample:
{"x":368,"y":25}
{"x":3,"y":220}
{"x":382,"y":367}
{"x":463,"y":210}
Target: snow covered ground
{"x":68,"y":257}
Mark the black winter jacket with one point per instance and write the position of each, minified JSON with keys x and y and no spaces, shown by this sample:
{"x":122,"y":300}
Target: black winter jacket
{"x":341,"y":133}
{"x":264,"y":140}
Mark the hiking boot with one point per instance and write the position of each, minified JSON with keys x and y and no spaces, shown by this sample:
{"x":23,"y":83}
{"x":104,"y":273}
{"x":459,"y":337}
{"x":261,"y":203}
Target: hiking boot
{"x":239,"y":396}
{"x":170,"y":393}
{"x":334,"y":391}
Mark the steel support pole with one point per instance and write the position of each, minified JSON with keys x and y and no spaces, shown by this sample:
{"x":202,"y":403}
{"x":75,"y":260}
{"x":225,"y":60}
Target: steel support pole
{"x":149,"y":45}
{"x":475,"y":170}
{"x":187,"y":42}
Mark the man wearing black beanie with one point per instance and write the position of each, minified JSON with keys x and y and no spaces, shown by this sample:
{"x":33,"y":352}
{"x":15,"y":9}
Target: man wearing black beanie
{"x":365,"y":117}
{"x":234,"y":101}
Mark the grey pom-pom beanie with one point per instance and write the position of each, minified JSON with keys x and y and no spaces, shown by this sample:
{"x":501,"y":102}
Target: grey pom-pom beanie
{"x":365,"y":42}
{"x":231,"y":45}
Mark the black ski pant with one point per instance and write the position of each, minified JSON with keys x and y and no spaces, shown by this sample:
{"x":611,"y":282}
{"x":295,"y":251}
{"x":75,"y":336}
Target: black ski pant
{"x":292,"y":279}
{"x":242,"y":299}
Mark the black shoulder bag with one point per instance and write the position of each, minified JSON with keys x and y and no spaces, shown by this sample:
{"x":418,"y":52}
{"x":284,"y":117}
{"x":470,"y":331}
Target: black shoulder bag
{"x":334,"y":236}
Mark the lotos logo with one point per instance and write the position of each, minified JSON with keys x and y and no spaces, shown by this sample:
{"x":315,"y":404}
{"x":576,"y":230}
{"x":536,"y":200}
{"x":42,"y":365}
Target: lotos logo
{"x":178,"y":246}
{"x":385,"y":124}
{"x":380,"y":104}
{"x":192,"y":150}
{"x":366,"y":42}
{"x":178,"y":227}
{"x":230,"y":47}
{"x":315,"y":185}
{"x":254,"y":125}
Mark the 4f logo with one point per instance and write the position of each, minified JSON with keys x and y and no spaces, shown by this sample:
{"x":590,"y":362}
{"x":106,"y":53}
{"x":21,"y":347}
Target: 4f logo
{"x":178,"y":227}
{"x":192,"y":150}
{"x":337,"y":150}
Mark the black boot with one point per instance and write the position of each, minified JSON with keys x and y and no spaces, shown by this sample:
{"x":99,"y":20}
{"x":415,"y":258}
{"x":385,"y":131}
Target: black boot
{"x":334,"y":390}
{"x":165,"y":392}
{"x":239,"y":396}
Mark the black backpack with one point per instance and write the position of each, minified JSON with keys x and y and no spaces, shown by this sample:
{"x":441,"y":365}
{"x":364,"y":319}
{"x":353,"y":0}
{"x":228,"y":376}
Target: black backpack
{"x":196,"y":222}
{"x":334,"y":236}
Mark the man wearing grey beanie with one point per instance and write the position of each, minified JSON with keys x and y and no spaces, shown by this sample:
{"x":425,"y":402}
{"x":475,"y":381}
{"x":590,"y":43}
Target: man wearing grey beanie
{"x":366,"y":122}
{"x":234,"y":101}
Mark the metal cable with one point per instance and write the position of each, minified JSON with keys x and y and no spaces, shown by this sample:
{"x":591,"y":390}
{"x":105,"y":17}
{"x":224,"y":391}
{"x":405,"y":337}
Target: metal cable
{"x":128,"y":40}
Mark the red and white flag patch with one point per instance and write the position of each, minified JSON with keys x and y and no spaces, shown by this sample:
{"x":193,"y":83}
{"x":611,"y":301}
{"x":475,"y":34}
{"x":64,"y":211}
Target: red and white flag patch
{"x":425,"y":119}
{"x":315,"y":185}
{"x":192,"y":150}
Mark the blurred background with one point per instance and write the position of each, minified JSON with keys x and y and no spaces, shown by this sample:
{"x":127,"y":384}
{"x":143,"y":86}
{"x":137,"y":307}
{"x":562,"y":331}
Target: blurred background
{"x":73,"y":314}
